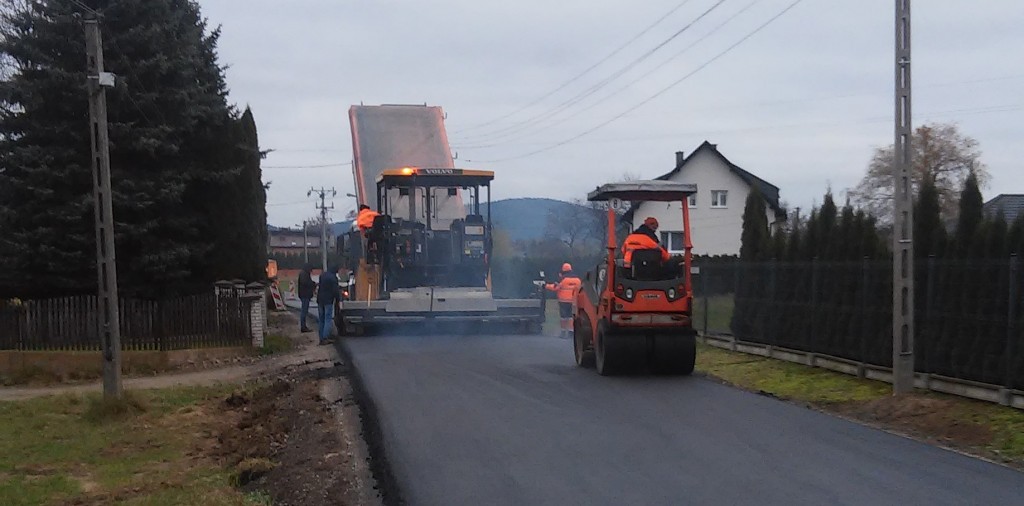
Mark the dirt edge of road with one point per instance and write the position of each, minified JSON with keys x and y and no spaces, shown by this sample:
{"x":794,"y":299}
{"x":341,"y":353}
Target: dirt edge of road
{"x":372,"y":433}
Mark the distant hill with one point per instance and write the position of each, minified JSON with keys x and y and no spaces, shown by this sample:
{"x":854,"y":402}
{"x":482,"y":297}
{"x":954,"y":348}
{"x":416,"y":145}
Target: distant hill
{"x":340,"y":227}
{"x":524,"y":218}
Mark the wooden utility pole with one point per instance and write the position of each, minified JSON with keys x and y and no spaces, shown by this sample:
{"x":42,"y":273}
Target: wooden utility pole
{"x":903,"y":216}
{"x":106,"y":266}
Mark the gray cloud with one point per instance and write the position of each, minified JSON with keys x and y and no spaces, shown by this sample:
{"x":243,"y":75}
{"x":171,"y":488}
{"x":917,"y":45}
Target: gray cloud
{"x":802,"y":103}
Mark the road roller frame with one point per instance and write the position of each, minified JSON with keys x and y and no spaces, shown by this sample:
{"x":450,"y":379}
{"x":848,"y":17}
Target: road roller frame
{"x":637,"y":317}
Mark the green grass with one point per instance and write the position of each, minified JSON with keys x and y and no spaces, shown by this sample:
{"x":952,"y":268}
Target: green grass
{"x":833,"y":391}
{"x":785,"y":379}
{"x":54,"y":450}
{"x":1007,"y":425}
{"x":275,"y":344}
{"x":258,"y":498}
{"x":719,"y":312}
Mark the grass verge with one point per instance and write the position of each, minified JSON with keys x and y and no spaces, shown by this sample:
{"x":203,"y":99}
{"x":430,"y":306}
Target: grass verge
{"x":140,"y":450}
{"x":275,"y":344}
{"x":976,"y":427}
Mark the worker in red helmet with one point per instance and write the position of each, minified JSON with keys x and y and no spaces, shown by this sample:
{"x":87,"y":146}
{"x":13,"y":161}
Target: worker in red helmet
{"x":644,"y":237}
{"x":566,"y":289}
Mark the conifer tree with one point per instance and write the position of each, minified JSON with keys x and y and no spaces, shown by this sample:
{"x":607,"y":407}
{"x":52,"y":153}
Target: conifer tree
{"x":172,"y":147}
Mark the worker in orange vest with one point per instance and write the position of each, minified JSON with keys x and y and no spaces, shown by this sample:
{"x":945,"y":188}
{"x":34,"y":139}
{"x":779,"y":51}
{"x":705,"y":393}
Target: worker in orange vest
{"x":566,"y":289}
{"x":644,"y":237}
{"x":365,"y":219}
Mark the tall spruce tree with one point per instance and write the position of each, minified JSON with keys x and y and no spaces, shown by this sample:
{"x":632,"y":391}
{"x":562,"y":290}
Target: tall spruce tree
{"x":255,"y":204}
{"x":846,"y":245}
{"x":970,"y":216}
{"x":172,"y":155}
{"x":812,"y":239}
{"x":240,"y":251}
{"x":929,"y":232}
{"x":827,"y":239}
{"x":754,"y":236}
{"x":1015,"y":236}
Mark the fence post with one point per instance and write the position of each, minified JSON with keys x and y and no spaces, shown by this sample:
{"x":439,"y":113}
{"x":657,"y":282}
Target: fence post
{"x":707,"y":301}
{"x":773,"y":310}
{"x":22,"y":319}
{"x":809,"y":346}
{"x":1011,"y":333}
{"x":861,"y":369}
{"x":737,"y":267}
{"x":158,"y":324}
{"x":927,"y":324}
{"x":256,"y":310}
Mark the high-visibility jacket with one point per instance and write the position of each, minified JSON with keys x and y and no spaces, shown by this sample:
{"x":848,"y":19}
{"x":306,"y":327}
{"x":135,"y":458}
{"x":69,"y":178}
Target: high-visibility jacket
{"x":637,"y":241}
{"x":365,"y":219}
{"x":566,"y":288}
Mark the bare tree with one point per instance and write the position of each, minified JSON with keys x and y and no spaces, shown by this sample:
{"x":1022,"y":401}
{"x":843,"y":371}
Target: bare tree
{"x":575,"y":224}
{"x":629,"y":176}
{"x":939,"y":150}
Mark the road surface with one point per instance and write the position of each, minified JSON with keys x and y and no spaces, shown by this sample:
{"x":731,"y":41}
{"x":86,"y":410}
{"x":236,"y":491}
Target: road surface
{"x":510,"y":420}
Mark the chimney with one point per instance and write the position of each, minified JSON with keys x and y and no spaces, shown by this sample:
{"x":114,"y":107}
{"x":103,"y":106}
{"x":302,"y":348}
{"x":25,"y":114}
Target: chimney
{"x":680,"y":156}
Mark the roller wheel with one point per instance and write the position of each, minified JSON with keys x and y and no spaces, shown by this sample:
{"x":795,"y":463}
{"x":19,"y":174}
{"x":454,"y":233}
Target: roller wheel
{"x":674,"y":355}
{"x":610,"y":356}
{"x":582,"y":348}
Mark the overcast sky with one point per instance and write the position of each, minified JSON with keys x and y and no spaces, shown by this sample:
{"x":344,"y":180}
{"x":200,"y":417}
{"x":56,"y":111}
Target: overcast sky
{"x":802,"y":103}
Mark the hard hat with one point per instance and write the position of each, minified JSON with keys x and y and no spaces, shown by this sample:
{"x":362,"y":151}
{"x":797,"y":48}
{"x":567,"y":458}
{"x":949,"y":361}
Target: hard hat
{"x":566,"y":267}
{"x":651,"y":222}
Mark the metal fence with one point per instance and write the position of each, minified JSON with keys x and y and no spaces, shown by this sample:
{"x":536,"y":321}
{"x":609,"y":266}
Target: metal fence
{"x":968,"y":312}
{"x":70,"y":323}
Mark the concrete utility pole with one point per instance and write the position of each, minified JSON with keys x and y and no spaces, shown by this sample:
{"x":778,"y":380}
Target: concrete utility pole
{"x":305,"y":240}
{"x":903,"y":217}
{"x":323,"y":220}
{"x":106,"y":266}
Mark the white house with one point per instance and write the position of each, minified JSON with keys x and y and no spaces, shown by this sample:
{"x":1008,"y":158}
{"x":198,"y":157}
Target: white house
{"x":716,"y":210}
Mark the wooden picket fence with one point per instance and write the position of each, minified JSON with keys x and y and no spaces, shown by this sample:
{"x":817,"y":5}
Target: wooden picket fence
{"x":71,"y":323}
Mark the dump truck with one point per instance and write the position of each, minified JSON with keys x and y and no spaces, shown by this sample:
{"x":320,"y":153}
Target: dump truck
{"x":635,"y":315}
{"x":427,"y":258}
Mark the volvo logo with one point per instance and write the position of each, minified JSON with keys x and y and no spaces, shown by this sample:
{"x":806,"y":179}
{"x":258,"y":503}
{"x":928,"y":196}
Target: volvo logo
{"x":440,"y":172}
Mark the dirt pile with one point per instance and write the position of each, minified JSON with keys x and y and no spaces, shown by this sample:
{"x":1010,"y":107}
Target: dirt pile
{"x":286,"y":440}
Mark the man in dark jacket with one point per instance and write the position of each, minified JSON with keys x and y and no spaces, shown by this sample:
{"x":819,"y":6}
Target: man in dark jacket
{"x":305,"y":291}
{"x":329,"y":293}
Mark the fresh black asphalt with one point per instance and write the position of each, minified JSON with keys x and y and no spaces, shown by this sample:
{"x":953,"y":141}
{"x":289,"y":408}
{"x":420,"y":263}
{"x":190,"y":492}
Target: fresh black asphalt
{"x":495,"y":420}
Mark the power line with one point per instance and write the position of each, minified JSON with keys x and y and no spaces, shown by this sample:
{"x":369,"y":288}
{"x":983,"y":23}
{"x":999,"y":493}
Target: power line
{"x":529,"y":122}
{"x":660,"y":66}
{"x":747,"y":105}
{"x":282,"y":204}
{"x":581,"y":74}
{"x":992,"y":109}
{"x":306,"y":166}
{"x":87,"y":8}
{"x":656,"y":95}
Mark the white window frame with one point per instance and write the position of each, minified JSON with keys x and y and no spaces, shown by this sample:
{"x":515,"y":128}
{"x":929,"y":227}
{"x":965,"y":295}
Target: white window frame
{"x":666,"y":241}
{"x":692,"y":200}
{"x":715,"y":204}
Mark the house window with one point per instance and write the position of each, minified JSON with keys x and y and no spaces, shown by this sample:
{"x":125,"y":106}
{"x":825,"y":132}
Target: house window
{"x":719,"y":198}
{"x":692,"y":200}
{"x":672,"y":241}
